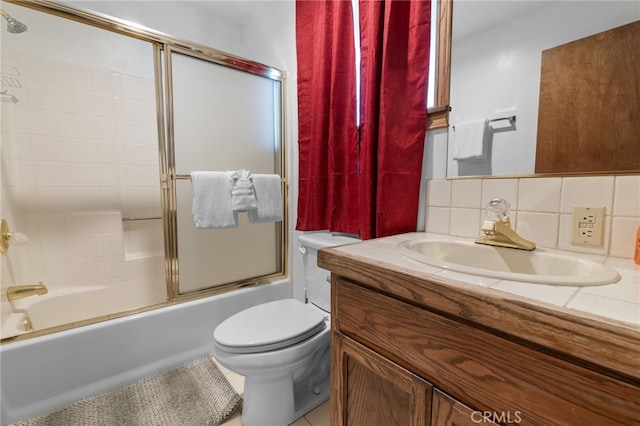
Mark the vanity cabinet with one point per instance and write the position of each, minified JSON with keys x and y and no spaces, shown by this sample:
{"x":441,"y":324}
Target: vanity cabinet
{"x":400,"y":359}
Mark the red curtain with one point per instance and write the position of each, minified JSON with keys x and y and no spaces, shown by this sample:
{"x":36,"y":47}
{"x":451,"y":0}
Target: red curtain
{"x":370,"y":188}
{"x":327,"y":140}
{"x":394,"y":38}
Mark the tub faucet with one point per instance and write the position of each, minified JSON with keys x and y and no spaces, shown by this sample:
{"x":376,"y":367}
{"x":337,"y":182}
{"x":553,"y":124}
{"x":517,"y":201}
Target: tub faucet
{"x":20,"y":291}
{"x":498,"y":231}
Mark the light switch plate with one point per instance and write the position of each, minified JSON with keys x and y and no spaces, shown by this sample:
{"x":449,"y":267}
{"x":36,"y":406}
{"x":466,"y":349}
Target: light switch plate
{"x":588,"y":226}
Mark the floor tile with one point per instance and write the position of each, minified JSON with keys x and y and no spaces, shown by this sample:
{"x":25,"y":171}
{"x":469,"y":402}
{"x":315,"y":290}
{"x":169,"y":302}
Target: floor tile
{"x":320,"y":416}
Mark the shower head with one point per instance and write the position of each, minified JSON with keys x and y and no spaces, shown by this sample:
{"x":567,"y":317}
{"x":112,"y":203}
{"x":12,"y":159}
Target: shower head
{"x":13,"y":26}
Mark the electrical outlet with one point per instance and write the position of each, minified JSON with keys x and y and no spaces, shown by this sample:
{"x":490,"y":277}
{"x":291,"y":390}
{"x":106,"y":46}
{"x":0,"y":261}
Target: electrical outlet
{"x":588,"y":226}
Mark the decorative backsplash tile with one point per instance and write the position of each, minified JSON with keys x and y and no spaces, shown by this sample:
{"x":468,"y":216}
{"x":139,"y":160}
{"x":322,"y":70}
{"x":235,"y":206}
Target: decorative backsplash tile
{"x":541,"y":208}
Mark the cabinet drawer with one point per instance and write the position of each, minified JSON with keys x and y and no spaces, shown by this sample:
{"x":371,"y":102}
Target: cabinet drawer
{"x":484,"y":371}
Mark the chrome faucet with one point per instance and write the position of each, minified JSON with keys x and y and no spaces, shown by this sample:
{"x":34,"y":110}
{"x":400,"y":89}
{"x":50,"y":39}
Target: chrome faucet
{"x":20,"y":291}
{"x":498,"y":231}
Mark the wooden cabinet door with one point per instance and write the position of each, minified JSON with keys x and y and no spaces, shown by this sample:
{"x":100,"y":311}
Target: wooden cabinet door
{"x":368,"y":389}
{"x":447,"y":411}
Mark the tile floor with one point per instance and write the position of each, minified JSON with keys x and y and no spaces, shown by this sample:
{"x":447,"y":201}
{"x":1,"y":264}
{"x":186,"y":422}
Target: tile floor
{"x":317,"y":417}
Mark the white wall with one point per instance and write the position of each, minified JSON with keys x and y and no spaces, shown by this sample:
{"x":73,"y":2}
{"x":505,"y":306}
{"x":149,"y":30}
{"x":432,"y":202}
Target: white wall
{"x":176,"y":18}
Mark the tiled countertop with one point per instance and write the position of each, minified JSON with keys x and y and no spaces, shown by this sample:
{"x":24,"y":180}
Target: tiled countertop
{"x":619,"y":301}
{"x":599,"y":325}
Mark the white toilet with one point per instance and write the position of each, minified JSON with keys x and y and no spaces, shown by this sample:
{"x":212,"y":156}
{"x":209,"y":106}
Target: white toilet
{"x":282,"y":347}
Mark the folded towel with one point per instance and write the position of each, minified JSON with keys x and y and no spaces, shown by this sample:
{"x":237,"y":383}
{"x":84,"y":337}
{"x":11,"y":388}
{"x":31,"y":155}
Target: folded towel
{"x":243,"y":196}
{"x":211,"y":206}
{"x":269,"y":195}
{"x":469,"y":140}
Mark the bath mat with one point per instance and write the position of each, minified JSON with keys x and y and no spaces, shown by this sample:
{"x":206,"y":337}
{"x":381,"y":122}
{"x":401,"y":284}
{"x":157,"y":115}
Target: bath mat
{"x":192,"y":395}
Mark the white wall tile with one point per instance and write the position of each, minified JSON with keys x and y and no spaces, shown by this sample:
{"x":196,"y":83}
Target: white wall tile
{"x":500,"y":188}
{"x":465,"y":222}
{"x":54,"y":199}
{"x":49,"y":148}
{"x":128,"y":131}
{"x":106,"y":152}
{"x":627,"y":196}
{"x":83,"y":174}
{"x":90,"y":269}
{"x":103,"y":105}
{"x":86,"y":198}
{"x":135,"y":110}
{"x":40,"y":122}
{"x":541,"y":228}
{"x":539,"y":213}
{"x":466,"y":193}
{"x":88,"y":245}
{"x":76,"y":77}
{"x":88,"y":127}
{"x":594,"y":191}
{"x":82,"y":151}
{"x":78,"y":101}
{"x":623,"y":236}
{"x":439,"y":193}
{"x":52,"y":174}
{"x":44,"y":96}
{"x":539,"y":194}
{"x":112,"y":244}
{"x":22,"y":145}
{"x":138,"y":154}
{"x":101,"y":81}
{"x":128,"y":86}
{"x":437,"y":220}
{"x":39,"y":69}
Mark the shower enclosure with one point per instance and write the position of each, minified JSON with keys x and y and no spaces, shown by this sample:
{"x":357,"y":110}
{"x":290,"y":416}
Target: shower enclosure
{"x":104,"y":124}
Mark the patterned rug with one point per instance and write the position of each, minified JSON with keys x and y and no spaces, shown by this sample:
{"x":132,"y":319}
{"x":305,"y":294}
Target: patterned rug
{"x":192,"y":395}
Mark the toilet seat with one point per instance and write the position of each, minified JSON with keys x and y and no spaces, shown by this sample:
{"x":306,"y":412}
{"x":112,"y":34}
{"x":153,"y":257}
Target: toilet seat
{"x":269,"y":326}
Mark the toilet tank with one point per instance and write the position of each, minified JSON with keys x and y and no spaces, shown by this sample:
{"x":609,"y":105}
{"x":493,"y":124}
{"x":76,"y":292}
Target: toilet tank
{"x":318,"y":280}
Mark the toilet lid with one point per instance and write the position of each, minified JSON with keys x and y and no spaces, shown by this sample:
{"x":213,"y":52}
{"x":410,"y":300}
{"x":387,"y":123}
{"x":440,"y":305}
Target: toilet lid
{"x":269,"y":326}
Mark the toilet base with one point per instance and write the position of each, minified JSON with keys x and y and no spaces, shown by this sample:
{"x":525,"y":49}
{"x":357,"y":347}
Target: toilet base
{"x":274,"y":402}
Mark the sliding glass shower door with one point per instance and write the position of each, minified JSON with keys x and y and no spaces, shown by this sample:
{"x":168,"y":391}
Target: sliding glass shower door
{"x":224,"y":119}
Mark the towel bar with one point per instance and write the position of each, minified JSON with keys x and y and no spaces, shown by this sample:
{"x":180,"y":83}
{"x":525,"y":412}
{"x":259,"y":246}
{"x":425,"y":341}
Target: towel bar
{"x":511,"y":118}
{"x":188,"y":177}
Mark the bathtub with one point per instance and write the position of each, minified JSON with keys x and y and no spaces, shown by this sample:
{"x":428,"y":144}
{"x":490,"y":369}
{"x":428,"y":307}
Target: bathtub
{"x":75,"y":304}
{"x":65,"y":306}
{"x":43,"y":373}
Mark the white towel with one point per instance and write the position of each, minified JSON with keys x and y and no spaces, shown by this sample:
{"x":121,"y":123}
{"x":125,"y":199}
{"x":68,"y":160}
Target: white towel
{"x":211,"y":206}
{"x":243,"y":196}
{"x":469,"y":140}
{"x":269,"y":195}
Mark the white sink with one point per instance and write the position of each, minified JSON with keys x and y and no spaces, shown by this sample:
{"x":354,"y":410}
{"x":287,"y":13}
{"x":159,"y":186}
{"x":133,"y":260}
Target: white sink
{"x":537,"y":266}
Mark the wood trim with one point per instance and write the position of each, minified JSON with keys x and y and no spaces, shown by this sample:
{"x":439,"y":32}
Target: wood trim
{"x":443,"y":72}
{"x":438,"y":117}
{"x":346,"y":352}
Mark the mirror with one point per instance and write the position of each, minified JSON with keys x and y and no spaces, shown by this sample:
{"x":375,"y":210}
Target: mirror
{"x":496,"y":67}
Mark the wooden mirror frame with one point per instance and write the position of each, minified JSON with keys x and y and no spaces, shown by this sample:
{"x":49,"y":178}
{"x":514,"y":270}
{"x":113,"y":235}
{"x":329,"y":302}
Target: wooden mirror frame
{"x":438,"y":116}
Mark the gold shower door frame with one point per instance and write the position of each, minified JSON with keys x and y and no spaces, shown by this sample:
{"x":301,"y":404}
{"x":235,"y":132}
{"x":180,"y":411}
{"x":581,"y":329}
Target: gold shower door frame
{"x":163,"y":45}
{"x":170,"y":175}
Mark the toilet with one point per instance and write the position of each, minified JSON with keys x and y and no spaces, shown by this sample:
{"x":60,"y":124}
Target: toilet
{"x":282,"y":348}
